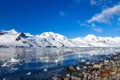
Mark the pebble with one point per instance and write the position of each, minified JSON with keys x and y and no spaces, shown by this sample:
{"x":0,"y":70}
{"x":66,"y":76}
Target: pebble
{"x":89,"y":73}
{"x":78,"y":68}
{"x":71,"y":68}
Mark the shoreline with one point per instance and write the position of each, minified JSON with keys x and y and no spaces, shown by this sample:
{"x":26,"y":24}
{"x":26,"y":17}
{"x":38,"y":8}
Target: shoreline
{"x":108,"y":69}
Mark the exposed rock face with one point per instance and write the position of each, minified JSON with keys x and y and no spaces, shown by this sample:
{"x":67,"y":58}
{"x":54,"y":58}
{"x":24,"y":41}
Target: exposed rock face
{"x":2,"y":33}
{"x":22,"y":35}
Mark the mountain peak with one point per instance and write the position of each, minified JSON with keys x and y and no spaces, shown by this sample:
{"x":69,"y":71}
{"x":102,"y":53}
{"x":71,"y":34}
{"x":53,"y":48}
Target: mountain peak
{"x":52,"y":34}
{"x":48,"y":33}
{"x":90,"y":36}
{"x":12,"y":31}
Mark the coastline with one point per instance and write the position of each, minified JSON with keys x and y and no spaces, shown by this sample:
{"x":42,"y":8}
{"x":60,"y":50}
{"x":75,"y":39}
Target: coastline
{"x":108,"y":69}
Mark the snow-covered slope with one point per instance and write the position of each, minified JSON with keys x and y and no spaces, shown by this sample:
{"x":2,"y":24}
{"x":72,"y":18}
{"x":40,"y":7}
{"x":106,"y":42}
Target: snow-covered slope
{"x":9,"y":39}
{"x":13,"y":38}
{"x":92,"y":40}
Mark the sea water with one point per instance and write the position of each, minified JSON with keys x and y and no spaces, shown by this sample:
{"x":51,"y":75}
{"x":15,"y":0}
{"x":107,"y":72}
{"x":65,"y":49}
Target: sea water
{"x":43,"y":63}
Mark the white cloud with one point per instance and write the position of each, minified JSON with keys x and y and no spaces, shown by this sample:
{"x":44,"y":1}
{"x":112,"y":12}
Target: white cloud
{"x":95,"y":28}
{"x":61,"y":13}
{"x":92,"y":26}
{"x":82,"y":24}
{"x":103,"y":3}
{"x":106,"y":15}
{"x":93,"y":2}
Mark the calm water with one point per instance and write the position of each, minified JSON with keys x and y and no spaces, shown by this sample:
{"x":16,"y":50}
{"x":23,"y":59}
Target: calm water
{"x":42,"y":63}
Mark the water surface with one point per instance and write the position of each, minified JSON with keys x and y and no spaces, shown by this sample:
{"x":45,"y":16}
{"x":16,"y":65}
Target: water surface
{"x":42,"y":63}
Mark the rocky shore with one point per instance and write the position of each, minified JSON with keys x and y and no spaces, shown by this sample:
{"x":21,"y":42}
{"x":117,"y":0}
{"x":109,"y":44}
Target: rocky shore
{"x":108,"y":69}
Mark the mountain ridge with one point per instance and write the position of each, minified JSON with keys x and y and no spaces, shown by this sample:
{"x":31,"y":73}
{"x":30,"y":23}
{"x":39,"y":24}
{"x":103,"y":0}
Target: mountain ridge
{"x":12,"y":38}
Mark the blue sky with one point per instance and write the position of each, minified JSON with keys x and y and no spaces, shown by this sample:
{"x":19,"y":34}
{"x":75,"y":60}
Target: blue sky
{"x":72,"y":18}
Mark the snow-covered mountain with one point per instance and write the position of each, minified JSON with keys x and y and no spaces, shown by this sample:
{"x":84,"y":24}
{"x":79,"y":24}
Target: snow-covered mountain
{"x":13,"y":38}
{"x":94,"y":41}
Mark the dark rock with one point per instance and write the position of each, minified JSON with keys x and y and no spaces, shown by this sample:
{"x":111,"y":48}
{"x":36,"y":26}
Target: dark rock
{"x":22,"y":35}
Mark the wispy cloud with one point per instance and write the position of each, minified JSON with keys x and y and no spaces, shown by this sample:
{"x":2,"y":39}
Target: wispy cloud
{"x":96,"y":28}
{"x":106,"y":15}
{"x":93,"y":2}
{"x":91,"y":26}
{"x":62,"y":13}
{"x":82,"y":24}
{"x":103,"y":4}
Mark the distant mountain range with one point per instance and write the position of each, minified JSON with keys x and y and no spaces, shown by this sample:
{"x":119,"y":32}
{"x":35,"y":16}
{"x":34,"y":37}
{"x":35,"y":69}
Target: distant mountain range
{"x":13,"y":38}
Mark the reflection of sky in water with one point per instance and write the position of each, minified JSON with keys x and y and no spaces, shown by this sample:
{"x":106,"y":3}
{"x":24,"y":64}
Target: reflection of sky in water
{"x":17,"y":60}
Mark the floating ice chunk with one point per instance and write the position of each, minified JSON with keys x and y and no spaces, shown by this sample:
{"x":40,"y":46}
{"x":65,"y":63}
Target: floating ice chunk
{"x":14,"y":60}
{"x":83,"y":60}
{"x":45,"y":69}
{"x":29,"y":73}
{"x":56,"y":60}
{"x":14,"y":69}
{"x":5,"y":65}
{"x":61,"y":62}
